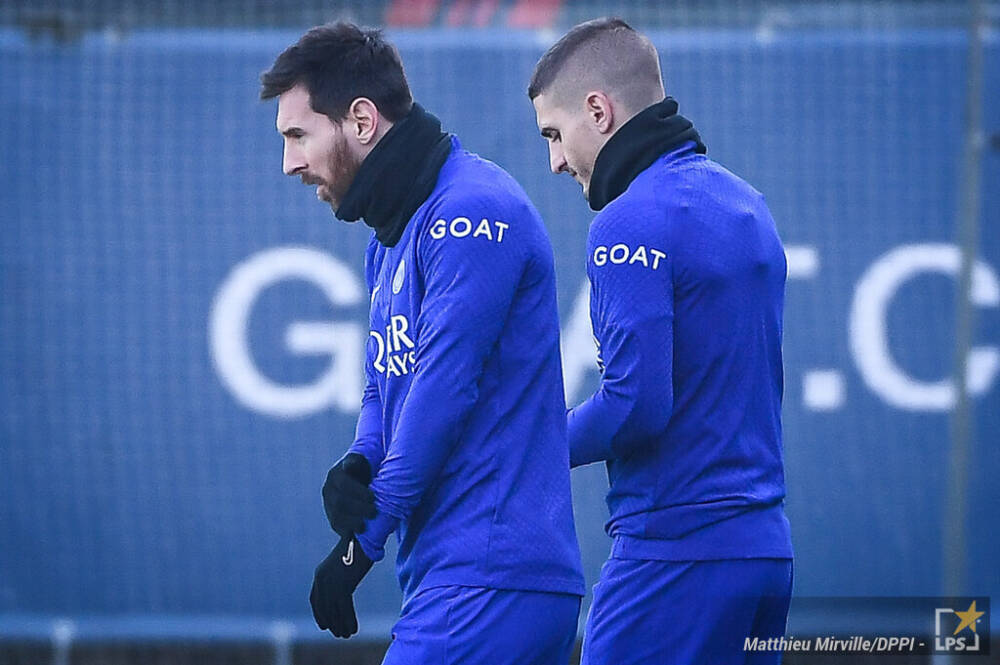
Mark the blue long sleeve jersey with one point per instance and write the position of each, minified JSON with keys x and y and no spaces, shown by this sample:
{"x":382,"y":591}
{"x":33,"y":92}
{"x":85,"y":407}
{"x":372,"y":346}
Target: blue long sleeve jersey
{"x":463,"y":414}
{"x":687,"y":281}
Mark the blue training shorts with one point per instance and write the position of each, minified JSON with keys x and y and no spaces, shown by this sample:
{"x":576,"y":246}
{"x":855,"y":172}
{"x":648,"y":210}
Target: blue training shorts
{"x":474,"y":625}
{"x":686,"y":612}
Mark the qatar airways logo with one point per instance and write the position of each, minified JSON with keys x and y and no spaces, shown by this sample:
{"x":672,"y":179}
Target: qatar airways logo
{"x":395,"y":352}
{"x":872,"y":359}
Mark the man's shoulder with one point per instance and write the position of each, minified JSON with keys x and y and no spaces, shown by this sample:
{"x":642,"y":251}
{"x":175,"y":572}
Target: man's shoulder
{"x":478,"y":210}
{"x":674,"y":190}
{"x":637,"y":212}
{"x":470,"y":185}
{"x":666,"y":195}
{"x":667,"y":184}
{"x":467,"y":176}
{"x":697,"y":181}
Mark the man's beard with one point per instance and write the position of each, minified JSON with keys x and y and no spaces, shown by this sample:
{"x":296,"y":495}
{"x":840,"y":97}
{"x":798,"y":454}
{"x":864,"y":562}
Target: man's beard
{"x":344,"y":167}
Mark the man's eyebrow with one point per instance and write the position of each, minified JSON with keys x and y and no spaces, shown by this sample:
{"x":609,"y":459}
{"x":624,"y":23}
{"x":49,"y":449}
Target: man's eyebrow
{"x":292,"y":132}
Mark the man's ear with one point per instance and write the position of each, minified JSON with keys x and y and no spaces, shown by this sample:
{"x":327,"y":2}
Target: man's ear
{"x":600,"y":110}
{"x":363,"y":120}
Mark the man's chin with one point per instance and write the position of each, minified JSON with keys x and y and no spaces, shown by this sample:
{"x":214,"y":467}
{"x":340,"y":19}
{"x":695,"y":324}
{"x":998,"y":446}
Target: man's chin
{"x":323,"y":194}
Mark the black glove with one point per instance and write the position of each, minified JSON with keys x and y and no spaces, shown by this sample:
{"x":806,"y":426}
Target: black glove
{"x":346,"y":497}
{"x":336,"y":578}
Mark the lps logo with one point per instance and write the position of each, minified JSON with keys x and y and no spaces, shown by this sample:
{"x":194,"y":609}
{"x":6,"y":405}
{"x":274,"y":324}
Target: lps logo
{"x":955,"y":630}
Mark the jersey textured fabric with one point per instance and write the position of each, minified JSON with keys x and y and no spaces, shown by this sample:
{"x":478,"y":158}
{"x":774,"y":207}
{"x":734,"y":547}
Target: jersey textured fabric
{"x":463,"y":414}
{"x":687,"y":281}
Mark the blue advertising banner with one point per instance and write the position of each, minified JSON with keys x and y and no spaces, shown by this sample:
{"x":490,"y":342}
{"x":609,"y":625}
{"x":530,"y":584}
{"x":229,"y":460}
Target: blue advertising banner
{"x":183,"y":326}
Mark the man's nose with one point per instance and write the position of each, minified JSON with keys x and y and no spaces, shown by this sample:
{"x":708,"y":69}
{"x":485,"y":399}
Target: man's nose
{"x":292,"y":162}
{"x":557,"y":160}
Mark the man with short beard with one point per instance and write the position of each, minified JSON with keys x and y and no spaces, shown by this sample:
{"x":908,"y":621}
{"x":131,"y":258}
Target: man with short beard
{"x":687,"y":277}
{"x":462,"y":431}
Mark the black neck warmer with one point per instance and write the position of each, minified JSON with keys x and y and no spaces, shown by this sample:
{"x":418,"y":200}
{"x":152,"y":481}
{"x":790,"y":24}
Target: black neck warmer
{"x":656,"y":130}
{"x":397,"y":176}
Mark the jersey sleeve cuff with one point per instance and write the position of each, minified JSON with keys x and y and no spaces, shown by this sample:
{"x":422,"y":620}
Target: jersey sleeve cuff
{"x":372,"y":539}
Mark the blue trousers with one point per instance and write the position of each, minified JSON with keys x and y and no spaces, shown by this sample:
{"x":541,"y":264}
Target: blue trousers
{"x":473,"y":625}
{"x":686,"y":612}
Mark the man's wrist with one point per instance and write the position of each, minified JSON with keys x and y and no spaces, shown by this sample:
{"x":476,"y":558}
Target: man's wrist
{"x":377,"y":531}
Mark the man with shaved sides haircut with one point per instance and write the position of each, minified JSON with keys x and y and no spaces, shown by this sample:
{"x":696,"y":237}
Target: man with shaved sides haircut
{"x":460,"y":448}
{"x":687,"y":277}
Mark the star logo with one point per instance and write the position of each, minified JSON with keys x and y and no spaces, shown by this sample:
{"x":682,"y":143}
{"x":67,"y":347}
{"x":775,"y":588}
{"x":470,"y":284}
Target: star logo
{"x":947,"y":640}
{"x":969,"y":618}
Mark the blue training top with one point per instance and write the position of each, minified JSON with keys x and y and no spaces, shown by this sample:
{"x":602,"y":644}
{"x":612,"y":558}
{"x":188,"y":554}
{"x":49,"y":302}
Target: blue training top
{"x":687,"y":281}
{"x":463,"y":415}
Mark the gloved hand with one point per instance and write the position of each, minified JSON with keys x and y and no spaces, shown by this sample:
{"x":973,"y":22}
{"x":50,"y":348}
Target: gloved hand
{"x":336,"y":578}
{"x":346,"y":497}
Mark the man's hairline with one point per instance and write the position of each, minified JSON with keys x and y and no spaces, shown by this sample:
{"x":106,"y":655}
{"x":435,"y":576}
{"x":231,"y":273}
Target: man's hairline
{"x":334,"y":121}
{"x":622,"y":110}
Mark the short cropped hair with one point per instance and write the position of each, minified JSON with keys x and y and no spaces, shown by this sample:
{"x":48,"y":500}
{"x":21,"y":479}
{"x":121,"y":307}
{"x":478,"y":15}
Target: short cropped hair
{"x":337,"y":63}
{"x":606,"y":53}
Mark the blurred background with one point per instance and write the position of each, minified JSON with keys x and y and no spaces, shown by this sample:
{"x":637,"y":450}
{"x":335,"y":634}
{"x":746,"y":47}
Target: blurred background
{"x":182,"y":327}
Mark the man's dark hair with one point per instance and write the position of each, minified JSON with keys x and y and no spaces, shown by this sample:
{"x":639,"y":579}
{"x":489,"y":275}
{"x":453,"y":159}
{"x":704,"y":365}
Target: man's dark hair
{"x":606,"y":51}
{"x":337,"y":63}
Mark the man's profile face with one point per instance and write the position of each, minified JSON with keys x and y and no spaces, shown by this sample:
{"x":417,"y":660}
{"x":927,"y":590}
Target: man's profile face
{"x":316,"y":148}
{"x":573,"y":141}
